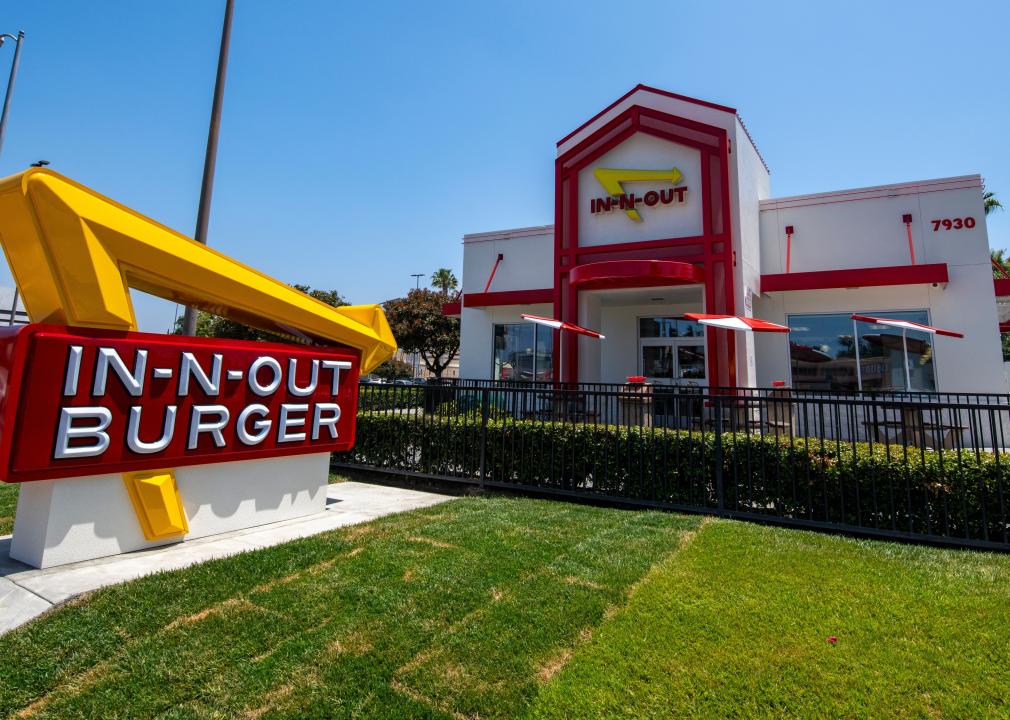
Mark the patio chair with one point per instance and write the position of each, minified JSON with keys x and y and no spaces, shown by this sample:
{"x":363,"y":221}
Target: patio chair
{"x":778,"y":416}
{"x":690,"y":406}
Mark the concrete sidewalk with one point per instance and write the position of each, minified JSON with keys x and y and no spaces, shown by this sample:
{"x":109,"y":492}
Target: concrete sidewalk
{"x":26,"y":592}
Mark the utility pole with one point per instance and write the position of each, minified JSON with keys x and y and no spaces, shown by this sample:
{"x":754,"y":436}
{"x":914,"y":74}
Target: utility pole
{"x":210,"y":160}
{"x":3,"y":122}
{"x":10,"y":82}
{"x":417,"y":286}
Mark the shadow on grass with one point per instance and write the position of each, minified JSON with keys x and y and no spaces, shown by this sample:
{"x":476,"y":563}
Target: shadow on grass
{"x":451,"y":611}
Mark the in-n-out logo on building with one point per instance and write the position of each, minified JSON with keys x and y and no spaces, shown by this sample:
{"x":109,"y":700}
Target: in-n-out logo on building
{"x":613,"y":180}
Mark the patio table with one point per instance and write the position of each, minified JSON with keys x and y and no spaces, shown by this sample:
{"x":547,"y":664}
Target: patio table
{"x":913,"y":429}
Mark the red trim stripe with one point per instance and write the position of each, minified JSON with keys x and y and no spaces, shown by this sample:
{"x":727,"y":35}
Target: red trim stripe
{"x":509,"y":297}
{"x":856,"y":277}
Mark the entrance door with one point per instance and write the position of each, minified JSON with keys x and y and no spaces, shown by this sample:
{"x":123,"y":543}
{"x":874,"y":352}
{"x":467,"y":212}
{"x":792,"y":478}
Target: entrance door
{"x":666,"y":361}
{"x":671,"y":350}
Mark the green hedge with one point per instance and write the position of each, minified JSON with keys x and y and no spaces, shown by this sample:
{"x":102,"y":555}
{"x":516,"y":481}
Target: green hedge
{"x":950,"y":494}
{"x":389,"y":397}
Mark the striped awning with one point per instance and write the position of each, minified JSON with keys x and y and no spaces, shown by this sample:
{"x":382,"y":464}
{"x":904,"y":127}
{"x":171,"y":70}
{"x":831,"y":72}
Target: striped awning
{"x":735,"y":322}
{"x":906,"y":325}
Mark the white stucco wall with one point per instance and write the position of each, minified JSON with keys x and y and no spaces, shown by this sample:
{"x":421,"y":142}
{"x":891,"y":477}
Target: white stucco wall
{"x":863,"y":228}
{"x":751,"y":184}
{"x":590,"y":349}
{"x":528,"y":263}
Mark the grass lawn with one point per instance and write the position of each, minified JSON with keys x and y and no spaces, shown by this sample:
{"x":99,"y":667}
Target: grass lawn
{"x":736,"y":625}
{"x":503,"y":608}
{"x":8,"y":504}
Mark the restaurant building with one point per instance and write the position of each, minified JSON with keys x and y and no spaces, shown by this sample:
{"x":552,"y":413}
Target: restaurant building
{"x":663,"y":206}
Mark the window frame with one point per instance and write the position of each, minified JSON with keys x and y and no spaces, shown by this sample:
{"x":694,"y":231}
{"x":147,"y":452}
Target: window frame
{"x":537,"y":329}
{"x":872,"y":313}
{"x":674,"y":341}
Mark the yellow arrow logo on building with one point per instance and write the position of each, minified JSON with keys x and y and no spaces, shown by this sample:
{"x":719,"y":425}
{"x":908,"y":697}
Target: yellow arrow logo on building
{"x":613,"y":179}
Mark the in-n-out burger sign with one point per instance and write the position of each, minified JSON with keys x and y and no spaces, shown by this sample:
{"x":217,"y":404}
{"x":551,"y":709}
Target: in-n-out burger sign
{"x":85,"y":396}
{"x":90,"y":401}
{"x":613,"y":181}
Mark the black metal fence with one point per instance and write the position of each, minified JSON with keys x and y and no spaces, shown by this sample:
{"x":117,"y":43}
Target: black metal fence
{"x":921,"y":466}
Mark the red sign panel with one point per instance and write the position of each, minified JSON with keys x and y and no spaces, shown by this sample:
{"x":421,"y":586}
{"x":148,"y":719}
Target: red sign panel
{"x":81,"y":402}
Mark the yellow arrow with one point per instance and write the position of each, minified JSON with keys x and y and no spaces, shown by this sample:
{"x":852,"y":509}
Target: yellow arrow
{"x":613,"y":179}
{"x":75,"y":254}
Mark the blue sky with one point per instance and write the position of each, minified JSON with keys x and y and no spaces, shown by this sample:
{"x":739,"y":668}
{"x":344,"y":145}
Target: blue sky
{"x":360,"y":141}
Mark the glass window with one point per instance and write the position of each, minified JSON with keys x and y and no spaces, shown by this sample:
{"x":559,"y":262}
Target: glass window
{"x":522,"y":351}
{"x":668,"y":327}
{"x":654,"y":327}
{"x":543,"y":363}
{"x":823,"y":353}
{"x":691,"y":362}
{"x":657,"y":361}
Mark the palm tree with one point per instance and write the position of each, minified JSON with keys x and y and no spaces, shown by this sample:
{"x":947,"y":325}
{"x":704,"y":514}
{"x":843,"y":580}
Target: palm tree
{"x":990,"y":202}
{"x":999,"y":260}
{"x":444,"y":280}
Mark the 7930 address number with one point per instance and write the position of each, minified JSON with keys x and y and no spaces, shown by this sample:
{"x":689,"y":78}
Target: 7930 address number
{"x":953,"y":224}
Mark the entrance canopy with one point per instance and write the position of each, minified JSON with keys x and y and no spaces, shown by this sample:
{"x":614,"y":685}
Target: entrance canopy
{"x":612,"y":274}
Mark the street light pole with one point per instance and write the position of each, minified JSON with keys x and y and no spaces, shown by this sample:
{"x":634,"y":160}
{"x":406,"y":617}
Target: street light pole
{"x":417,"y":286}
{"x":210,"y":160}
{"x":10,"y":82}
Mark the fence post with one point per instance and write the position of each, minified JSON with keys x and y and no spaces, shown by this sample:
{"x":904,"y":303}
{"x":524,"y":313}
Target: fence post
{"x":483,"y":437}
{"x":717,"y":420}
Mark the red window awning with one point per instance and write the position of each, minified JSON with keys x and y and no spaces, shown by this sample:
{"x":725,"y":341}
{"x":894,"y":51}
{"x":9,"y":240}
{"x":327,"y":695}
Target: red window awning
{"x":613,"y":274}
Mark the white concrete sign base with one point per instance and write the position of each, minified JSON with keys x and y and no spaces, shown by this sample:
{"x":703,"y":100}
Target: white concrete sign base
{"x":74,"y":519}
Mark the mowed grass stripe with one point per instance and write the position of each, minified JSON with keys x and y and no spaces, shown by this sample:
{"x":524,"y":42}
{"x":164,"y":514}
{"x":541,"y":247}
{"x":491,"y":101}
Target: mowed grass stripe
{"x":737,"y":625}
{"x":452,"y":611}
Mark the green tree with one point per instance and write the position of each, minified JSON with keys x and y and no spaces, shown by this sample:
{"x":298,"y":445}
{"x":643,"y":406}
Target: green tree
{"x":419,"y":326}
{"x":209,"y":325}
{"x":990,"y":203}
{"x":394,"y":369}
{"x":443,"y":279}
